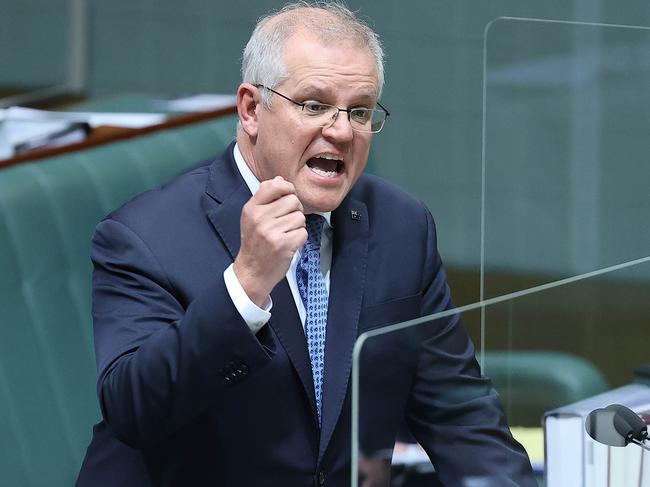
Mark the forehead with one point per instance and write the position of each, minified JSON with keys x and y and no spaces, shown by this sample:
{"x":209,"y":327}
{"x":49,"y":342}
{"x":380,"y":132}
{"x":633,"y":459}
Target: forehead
{"x":313,"y":64}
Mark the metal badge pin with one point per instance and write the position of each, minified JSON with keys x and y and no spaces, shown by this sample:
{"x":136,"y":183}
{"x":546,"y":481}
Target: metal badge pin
{"x":355,"y":215}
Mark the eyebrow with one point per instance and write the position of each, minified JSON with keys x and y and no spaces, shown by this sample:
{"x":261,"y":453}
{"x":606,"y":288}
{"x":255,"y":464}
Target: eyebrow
{"x":315,"y":92}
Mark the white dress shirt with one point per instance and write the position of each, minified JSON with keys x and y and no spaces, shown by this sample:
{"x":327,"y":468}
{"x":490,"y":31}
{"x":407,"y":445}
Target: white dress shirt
{"x":252,"y":314}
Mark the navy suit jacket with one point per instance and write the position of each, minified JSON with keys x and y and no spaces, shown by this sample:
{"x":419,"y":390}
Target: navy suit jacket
{"x":190,"y":396}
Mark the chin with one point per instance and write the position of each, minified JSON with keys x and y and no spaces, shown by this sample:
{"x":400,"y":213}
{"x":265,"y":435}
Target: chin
{"x":320,"y":207}
{"x":322,"y":204}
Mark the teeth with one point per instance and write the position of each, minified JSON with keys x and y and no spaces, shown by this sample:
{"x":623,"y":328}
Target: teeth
{"x":331,"y":157}
{"x":320,"y":172}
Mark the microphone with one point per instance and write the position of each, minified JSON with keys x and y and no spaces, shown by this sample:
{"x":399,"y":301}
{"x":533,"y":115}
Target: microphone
{"x":616,"y":425}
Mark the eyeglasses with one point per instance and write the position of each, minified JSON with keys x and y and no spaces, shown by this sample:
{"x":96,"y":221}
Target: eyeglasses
{"x":315,"y":114}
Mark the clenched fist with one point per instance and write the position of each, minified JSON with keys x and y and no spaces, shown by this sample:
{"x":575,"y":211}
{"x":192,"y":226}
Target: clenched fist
{"x":272,"y":229}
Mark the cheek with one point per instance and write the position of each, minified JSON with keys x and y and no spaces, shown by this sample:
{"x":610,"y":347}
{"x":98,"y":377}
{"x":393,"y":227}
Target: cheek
{"x":361,"y":159}
{"x":362,"y":143}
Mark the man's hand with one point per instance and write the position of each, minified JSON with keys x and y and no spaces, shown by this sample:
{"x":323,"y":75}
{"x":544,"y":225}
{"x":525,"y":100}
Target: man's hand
{"x":272,"y":229}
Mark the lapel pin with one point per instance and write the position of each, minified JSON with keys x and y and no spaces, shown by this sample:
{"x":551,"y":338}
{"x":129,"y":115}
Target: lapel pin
{"x":355,"y":215}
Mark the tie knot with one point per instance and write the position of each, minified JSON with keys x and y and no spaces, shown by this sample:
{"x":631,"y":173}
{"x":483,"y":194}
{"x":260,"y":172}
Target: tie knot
{"x":314,"y":226}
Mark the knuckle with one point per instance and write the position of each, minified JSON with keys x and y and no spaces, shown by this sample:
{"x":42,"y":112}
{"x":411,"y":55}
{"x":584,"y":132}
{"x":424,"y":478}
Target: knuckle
{"x":254,"y":217}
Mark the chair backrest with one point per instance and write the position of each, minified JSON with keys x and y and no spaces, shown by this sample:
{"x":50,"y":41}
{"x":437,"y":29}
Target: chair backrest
{"x":48,"y":211}
{"x":531,"y":382}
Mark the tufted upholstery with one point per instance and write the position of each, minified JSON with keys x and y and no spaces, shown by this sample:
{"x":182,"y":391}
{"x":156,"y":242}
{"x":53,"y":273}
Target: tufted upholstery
{"x":48,"y":211}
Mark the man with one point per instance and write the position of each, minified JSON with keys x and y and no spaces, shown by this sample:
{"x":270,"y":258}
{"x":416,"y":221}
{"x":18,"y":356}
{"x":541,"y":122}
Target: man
{"x":226,"y":304}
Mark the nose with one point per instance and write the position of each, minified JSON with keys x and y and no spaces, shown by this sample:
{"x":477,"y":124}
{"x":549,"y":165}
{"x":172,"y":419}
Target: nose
{"x":340,"y":129}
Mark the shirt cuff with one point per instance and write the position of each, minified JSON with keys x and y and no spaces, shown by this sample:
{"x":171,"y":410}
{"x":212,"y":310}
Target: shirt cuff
{"x":254,"y":316}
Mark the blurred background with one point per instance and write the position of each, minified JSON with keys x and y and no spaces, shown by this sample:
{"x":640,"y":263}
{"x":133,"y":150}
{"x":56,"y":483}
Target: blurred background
{"x":523,"y":125}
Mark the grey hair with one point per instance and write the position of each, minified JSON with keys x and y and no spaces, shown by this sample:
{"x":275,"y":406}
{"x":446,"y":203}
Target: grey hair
{"x":262,"y":61}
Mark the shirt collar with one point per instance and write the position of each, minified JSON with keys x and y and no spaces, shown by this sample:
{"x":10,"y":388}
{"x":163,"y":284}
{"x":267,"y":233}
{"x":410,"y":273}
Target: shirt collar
{"x":253,"y":183}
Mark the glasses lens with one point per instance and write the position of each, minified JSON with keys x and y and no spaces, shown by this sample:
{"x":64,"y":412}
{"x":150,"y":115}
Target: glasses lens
{"x":318,"y":114}
{"x":377,"y":120}
{"x":361,"y":119}
{"x":367,"y":120}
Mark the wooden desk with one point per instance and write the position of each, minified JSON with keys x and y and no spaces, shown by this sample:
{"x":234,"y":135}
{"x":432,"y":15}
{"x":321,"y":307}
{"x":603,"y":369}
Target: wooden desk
{"x":105,"y":135}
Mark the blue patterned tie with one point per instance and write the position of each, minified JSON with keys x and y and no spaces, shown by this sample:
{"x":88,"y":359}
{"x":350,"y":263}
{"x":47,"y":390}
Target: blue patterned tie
{"x":313,"y":292}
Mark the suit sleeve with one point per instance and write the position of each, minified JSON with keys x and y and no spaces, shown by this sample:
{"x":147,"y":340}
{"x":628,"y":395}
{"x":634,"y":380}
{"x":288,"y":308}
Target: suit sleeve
{"x":161,"y":364}
{"x":453,"y":411}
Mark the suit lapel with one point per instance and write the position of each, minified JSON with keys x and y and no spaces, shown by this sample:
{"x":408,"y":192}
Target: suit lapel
{"x":347,"y":283}
{"x":228,"y":193}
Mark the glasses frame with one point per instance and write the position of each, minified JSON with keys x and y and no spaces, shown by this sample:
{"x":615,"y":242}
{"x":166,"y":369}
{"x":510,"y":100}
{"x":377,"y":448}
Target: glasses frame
{"x":346,"y":110}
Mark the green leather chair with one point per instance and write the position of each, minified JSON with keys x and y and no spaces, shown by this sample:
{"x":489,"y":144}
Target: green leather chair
{"x":48,"y":211}
{"x":532,"y":382}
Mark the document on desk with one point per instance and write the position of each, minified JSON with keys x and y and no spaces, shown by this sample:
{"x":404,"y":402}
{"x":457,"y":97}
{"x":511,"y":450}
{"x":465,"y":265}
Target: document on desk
{"x":24,"y":128}
{"x":94,"y":119}
{"x":574,"y":459}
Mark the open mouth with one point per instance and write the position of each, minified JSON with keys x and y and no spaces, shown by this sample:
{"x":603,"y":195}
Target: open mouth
{"x":326,"y":165}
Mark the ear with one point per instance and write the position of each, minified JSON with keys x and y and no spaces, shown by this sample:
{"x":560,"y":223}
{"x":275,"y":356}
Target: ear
{"x":248,"y":99}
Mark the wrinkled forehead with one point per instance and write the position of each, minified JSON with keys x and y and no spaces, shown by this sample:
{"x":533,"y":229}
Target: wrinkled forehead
{"x":306,"y":55}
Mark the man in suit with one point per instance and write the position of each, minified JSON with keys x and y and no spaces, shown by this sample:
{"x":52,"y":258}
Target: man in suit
{"x":227,"y":303}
